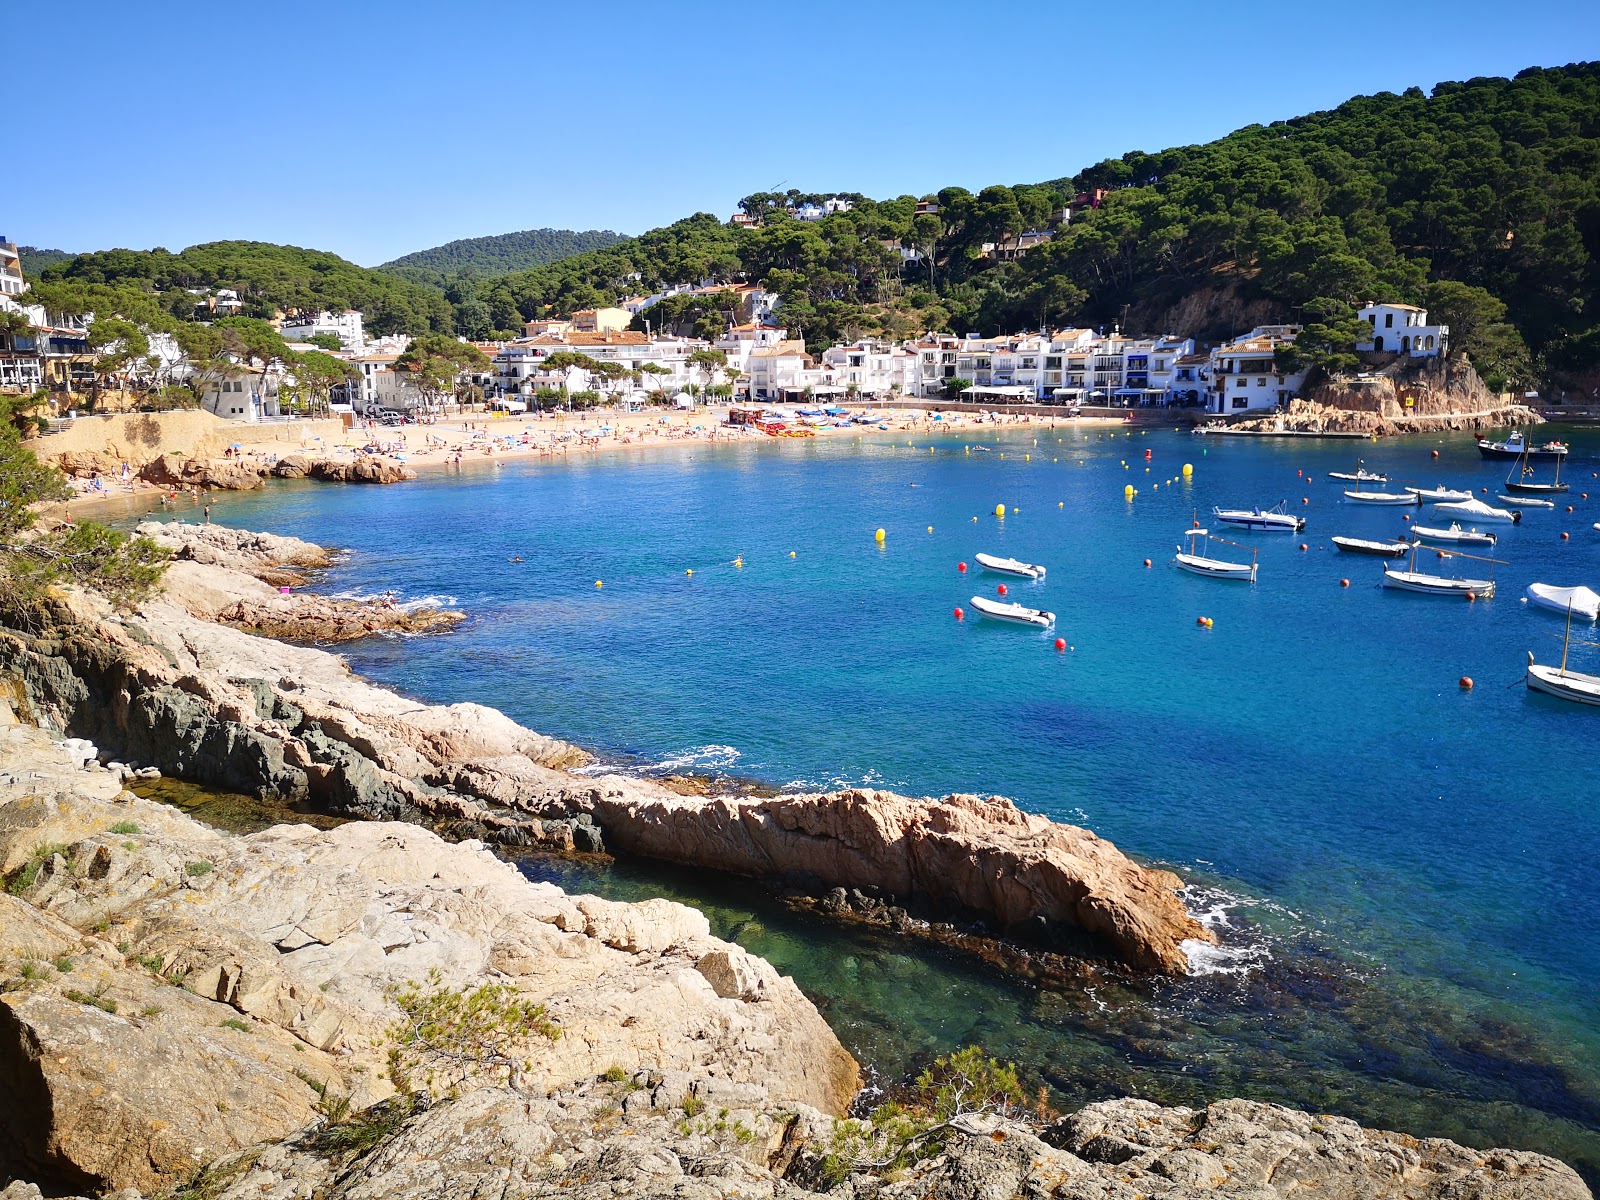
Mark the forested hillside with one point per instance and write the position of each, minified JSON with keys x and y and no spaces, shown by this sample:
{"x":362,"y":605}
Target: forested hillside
{"x":501,"y":254}
{"x":267,"y":277}
{"x":1481,"y":200}
{"x":35,"y":259}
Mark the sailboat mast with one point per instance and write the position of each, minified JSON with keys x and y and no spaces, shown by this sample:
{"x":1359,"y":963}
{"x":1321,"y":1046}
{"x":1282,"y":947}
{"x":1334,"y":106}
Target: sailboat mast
{"x":1568,"y":638}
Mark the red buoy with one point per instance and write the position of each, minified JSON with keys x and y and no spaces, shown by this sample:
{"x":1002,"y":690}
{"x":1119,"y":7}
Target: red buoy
{"x":962,"y":567}
{"x":1569,"y":508}
{"x":1405,"y":516}
{"x":1305,"y":499}
{"x":1466,"y":683}
{"x":1002,"y":589}
{"x":1147,"y":562}
{"x":959,"y":615}
{"x":1436,"y":454}
{"x":1472,"y":595}
{"x":1344,"y":583}
{"x":1304,"y":547}
{"x":1061,"y":643}
{"x":1147,"y":454}
{"x":1565,"y":536}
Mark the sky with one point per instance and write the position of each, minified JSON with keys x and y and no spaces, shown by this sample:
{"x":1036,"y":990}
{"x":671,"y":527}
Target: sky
{"x":375,"y":129}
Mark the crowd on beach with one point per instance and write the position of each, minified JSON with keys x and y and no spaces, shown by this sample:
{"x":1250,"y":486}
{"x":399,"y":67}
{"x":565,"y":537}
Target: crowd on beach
{"x":478,"y":437}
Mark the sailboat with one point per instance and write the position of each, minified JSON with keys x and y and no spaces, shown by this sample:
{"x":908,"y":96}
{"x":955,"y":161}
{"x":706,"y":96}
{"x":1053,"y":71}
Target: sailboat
{"x":1413,"y":580}
{"x":1359,"y":475}
{"x":1522,"y":487}
{"x":1218,"y":568}
{"x":1560,"y":682}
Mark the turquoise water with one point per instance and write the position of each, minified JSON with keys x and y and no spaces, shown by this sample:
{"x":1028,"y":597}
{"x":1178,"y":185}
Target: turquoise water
{"x":1402,"y":871}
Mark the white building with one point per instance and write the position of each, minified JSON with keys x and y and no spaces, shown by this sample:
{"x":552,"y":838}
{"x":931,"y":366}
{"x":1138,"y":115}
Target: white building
{"x":1245,"y":376}
{"x":869,"y":368}
{"x":815,"y":212}
{"x":1403,"y":329}
{"x":11,"y":281}
{"x":346,"y":326}
{"x":741,"y":341}
{"x":776,"y":370}
{"x":243,"y":393}
{"x":659,"y":363}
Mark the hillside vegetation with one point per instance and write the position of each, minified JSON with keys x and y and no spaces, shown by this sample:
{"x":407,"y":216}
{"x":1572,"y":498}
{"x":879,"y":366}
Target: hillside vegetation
{"x":267,"y":277}
{"x":35,"y":259}
{"x":501,"y":254}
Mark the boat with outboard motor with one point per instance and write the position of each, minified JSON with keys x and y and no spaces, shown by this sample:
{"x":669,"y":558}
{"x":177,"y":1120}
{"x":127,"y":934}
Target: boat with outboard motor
{"x":1009,"y":566}
{"x":1561,"y":683}
{"x":1276,"y":519}
{"x":1529,"y":501}
{"x":1015,"y":614}
{"x":1359,"y":475}
{"x":1517,"y":446}
{"x":1393,"y":498}
{"x":1193,"y":561}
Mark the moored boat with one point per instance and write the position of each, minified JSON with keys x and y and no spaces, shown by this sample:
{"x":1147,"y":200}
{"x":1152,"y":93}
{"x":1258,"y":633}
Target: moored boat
{"x":1350,"y":545}
{"x":1576,"y":686}
{"x":1359,"y":475}
{"x":1413,"y":580}
{"x":1015,"y":614}
{"x":1579,"y":601}
{"x":1522,"y":485}
{"x":1479,"y":511}
{"x":1009,"y":566}
{"x":1455,"y":535}
{"x":1517,"y":446}
{"x":1275,"y":519}
{"x":1439,"y":495}
{"x":1529,"y":501}
{"x":1361,"y":497}
{"x":1193,"y":561}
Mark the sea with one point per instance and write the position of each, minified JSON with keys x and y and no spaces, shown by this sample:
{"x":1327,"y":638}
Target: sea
{"x":1401,"y":869}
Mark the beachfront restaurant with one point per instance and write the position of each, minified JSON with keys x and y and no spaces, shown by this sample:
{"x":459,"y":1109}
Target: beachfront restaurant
{"x":998,"y":394}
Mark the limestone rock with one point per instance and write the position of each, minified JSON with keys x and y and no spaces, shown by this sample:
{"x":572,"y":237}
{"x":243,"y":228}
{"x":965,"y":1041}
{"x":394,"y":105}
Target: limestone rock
{"x":292,"y":466}
{"x":85,"y":464}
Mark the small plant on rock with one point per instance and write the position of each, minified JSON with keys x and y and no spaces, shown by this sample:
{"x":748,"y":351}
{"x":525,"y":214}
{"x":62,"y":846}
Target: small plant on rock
{"x":125,"y":828}
{"x":452,"y":1035}
{"x":196,"y":869}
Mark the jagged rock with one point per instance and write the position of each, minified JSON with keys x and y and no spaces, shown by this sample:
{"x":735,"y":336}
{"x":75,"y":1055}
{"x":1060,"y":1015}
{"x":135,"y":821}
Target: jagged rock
{"x":292,"y":466}
{"x":366,"y":469}
{"x":174,"y":469}
{"x":85,"y":464}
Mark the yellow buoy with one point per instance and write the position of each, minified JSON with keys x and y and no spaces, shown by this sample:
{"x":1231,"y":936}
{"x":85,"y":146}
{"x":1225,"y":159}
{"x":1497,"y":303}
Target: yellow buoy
{"x":1188,"y":468}
{"x":1013,"y":509}
{"x":880,"y":535}
{"x":1155,"y":485}
{"x":791,"y":554}
{"x":1061,"y":503}
{"x":999,"y":510}
{"x":597,"y":583}
{"x":930,"y":528}
{"x":690,"y":571}
{"x":1128,"y":491}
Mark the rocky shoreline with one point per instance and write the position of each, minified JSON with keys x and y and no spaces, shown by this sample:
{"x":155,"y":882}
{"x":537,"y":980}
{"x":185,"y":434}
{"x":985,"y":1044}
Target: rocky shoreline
{"x":179,"y":1004}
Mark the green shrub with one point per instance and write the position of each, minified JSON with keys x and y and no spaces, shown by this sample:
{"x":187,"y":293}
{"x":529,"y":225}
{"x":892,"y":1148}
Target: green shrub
{"x":234,"y":1023}
{"x":96,"y":1000}
{"x":451,"y":1035}
{"x":125,"y":827}
{"x":196,"y":869}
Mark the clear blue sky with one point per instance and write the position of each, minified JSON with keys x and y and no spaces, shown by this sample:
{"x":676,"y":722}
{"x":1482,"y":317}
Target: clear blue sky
{"x":375,"y":129}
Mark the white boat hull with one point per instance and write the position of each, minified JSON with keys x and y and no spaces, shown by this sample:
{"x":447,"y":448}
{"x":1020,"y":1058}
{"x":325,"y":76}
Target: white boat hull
{"x":1580,"y":601}
{"x":1528,"y":502}
{"x":1216,"y":568}
{"x":1358,"y":477}
{"x":1439,"y":495}
{"x":1394,"y":498}
{"x":1363,"y":546}
{"x":1566,"y":685}
{"x":1013,"y":614}
{"x":1259,"y":519}
{"x":1437,"y":585}
{"x":1009,"y":566}
{"x":1455,"y":535}
{"x":1477,"y":510}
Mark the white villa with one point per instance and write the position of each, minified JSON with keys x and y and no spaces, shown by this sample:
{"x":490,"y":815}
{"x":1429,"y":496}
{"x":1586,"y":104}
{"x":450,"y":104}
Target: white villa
{"x":346,"y":326}
{"x":1245,"y":376}
{"x":1402,"y":329}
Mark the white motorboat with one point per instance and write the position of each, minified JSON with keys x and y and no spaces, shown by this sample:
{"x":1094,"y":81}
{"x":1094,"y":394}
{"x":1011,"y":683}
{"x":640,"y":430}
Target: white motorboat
{"x":1479,"y":511}
{"x":1278,"y":519}
{"x":1015,"y":614}
{"x":1579,"y":601}
{"x":1455,"y":535}
{"x":1529,"y":501}
{"x":1517,"y":446}
{"x":1009,"y":566}
{"x":1440,"y":495}
{"x":1413,"y":580}
{"x":1350,"y":545}
{"x":1361,"y":497}
{"x":1217,"y":568}
{"x":1359,"y":475}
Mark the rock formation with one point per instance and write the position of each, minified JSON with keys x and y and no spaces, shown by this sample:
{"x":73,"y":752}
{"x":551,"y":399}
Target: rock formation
{"x":366,"y":469}
{"x":175,"y":994}
{"x":174,"y":469}
{"x":293,"y":466}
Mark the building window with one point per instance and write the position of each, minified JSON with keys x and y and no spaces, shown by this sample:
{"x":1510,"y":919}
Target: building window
{"x":1240,"y":402}
{"x":1262,"y":382}
{"x":1388,"y":320}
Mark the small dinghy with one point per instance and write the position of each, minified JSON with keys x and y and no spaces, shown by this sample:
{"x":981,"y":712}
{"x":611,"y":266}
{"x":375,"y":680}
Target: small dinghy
{"x":1014,"y":614}
{"x":1384,"y":497}
{"x":1479,"y":511}
{"x":1009,"y":566}
{"x":1352,"y":545}
{"x":1579,"y":601}
{"x":1277,"y":519}
{"x":1529,"y":501}
{"x":1441,"y":495}
{"x":1194,"y":561}
{"x":1455,"y":535}
{"x":1359,"y":475}
{"x":1413,"y":580}
{"x":1560,"y":682}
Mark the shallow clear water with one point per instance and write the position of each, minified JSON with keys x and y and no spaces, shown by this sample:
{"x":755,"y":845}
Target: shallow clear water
{"x":1409,"y":866}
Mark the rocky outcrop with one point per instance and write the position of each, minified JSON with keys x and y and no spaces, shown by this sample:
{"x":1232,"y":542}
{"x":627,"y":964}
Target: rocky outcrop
{"x":86,"y":464}
{"x":643,"y":1136}
{"x":175,"y":469}
{"x":293,"y":466}
{"x":174,"y":994}
{"x":365,"y":469}
{"x":257,"y":554}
